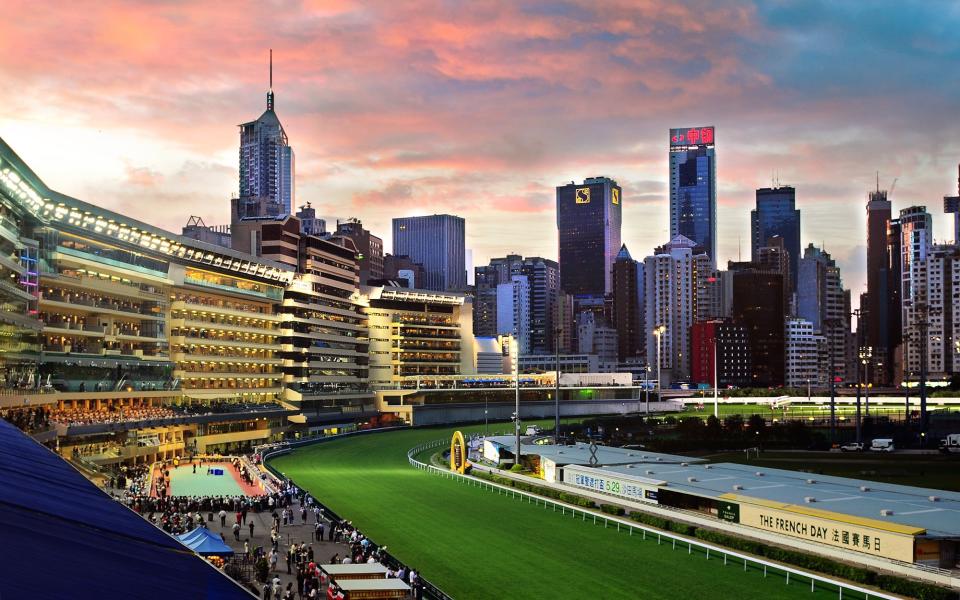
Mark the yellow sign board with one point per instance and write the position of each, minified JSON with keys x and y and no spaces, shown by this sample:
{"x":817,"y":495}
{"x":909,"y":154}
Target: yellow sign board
{"x":458,"y":453}
{"x":834,"y":529}
{"x":583,"y":195}
{"x":615,"y":195}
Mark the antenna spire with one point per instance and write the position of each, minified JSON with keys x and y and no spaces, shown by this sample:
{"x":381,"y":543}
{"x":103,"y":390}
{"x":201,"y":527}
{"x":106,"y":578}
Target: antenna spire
{"x":270,"y":92}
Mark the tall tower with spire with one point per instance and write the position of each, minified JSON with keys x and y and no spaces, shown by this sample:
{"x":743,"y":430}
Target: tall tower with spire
{"x":266,"y":165}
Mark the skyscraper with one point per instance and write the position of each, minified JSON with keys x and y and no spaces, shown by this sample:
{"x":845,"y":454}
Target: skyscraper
{"x":266,"y":163}
{"x":875,"y":332}
{"x":776,"y":215}
{"x":628,"y":305}
{"x":693,"y":187}
{"x":438,"y":243}
{"x":588,"y":223}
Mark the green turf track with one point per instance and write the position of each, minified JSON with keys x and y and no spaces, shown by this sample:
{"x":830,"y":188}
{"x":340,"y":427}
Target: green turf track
{"x":474,"y":543}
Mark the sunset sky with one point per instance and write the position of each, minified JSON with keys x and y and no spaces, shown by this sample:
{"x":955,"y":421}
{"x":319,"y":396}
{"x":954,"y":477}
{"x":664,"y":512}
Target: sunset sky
{"x":481,"y":108}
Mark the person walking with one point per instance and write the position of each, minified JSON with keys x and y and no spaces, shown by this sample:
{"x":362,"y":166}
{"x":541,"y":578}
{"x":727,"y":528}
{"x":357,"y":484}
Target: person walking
{"x":236,"y":531}
{"x":251,"y":528}
{"x":223,"y":518}
{"x":273,"y":560}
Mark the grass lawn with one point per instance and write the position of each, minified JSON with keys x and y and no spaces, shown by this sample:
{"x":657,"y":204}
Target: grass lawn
{"x":474,"y":543}
{"x":795,"y":410}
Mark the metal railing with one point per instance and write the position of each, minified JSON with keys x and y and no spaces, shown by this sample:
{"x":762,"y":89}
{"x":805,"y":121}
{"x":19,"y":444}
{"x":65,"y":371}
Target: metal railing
{"x":645,"y":531}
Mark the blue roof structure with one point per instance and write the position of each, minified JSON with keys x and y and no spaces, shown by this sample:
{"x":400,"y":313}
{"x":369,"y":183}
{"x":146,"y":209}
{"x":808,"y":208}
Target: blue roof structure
{"x":205,"y":542}
{"x":65,"y":538}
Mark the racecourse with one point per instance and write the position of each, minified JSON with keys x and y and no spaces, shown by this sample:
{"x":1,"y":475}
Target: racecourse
{"x":477,"y":544}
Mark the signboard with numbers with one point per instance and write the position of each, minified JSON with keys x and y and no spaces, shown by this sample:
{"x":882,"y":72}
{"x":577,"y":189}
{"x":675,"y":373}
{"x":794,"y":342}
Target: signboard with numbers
{"x":630,"y":487}
{"x":852,"y":534}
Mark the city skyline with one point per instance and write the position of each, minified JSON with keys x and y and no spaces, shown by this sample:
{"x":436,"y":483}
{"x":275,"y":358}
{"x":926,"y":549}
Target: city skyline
{"x":148,"y":127}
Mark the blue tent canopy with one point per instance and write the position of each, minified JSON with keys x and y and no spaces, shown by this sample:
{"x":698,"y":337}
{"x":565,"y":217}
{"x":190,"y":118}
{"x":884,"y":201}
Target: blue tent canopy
{"x":53,"y":520}
{"x":203,"y":541}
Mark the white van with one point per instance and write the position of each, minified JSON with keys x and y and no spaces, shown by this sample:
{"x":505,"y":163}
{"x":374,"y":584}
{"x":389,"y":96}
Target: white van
{"x":533,"y":430}
{"x":882,"y":445}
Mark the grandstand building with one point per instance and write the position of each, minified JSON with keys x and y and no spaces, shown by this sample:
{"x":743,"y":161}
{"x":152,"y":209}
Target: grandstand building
{"x":145,"y":345}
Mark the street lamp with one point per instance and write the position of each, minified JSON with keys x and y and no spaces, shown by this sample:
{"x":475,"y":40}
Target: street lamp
{"x":716,"y":379}
{"x":515,"y":355}
{"x":556,"y":423}
{"x":646,"y":389}
{"x":658,"y":331}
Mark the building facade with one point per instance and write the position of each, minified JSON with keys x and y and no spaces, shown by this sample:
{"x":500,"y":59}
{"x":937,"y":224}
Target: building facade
{"x":513,"y":311}
{"x":803,"y":352}
{"x":670,"y":302}
{"x":438,"y":243}
{"x":724,"y":344}
{"x":543,"y":276}
{"x":758,"y":305}
{"x":820,"y":300}
{"x":369,"y":247}
{"x":628,"y":282}
{"x":916,"y":242}
{"x":877,"y":317}
{"x":144,"y":344}
{"x":417,"y":334}
{"x":776,"y":215}
{"x":693,"y":187}
{"x":589,"y":216}
{"x":266,"y":162}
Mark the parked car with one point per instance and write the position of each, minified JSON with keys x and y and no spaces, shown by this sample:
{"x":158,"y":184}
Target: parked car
{"x":882,"y":445}
{"x":852,"y":447}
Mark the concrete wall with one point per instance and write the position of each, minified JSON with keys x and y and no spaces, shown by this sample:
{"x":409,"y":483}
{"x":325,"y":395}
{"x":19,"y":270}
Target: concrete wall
{"x":440,"y":414}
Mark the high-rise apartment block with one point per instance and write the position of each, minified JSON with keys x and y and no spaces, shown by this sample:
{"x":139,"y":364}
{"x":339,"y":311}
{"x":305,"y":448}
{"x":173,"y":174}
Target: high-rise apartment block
{"x":588,"y":223}
{"x":803,"y":349}
{"x":724,"y":345}
{"x":758,"y":305}
{"x":693,"y":187}
{"x":670,"y":304}
{"x":916,"y":242}
{"x":543,"y":277}
{"x":820,"y":300}
{"x":513,"y":311}
{"x":438,"y":243}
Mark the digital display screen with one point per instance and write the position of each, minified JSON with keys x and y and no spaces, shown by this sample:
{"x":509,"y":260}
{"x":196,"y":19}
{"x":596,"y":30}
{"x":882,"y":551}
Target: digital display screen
{"x":691,"y":136}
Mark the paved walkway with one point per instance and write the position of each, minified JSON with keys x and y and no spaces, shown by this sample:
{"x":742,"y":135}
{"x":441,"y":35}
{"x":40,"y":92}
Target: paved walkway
{"x":290,"y":534}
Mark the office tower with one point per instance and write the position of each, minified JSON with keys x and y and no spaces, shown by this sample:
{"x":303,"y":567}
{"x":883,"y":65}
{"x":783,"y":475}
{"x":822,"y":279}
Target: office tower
{"x":803,"y":348}
{"x":670,"y":302}
{"x":916,"y":241}
{"x":438,"y":243}
{"x":369,"y":249}
{"x":628,"y":305}
{"x":563,"y":320}
{"x":776,"y":215}
{"x":588,"y":223}
{"x":403,"y":270}
{"x":693,"y":187}
{"x":513,"y":311}
{"x":310,"y":224}
{"x":758,"y":305}
{"x":732,"y":346}
{"x":543,"y":276}
{"x":266,"y":163}
{"x":876,"y":318}
{"x":951,"y":205}
{"x":820,"y":300}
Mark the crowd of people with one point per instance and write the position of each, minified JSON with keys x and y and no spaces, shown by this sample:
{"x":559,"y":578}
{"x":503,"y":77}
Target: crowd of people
{"x":29,"y":419}
{"x":83,"y":416}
